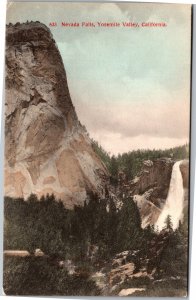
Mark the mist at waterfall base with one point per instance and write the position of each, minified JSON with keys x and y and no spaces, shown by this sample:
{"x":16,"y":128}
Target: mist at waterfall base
{"x":175,"y":200}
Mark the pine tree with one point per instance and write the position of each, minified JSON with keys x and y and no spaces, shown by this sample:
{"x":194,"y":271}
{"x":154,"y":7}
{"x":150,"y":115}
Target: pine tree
{"x":114,"y":170}
{"x":129,"y":227}
{"x":112,"y":223}
{"x":168,"y":223}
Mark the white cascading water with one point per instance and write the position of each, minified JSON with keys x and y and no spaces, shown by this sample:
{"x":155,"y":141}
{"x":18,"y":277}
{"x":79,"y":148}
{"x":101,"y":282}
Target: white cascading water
{"x":175,"y":200}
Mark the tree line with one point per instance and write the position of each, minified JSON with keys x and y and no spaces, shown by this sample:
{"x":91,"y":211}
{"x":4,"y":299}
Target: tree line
{"x":131,"y":162}
{"x":88,"y":235}
{"x":46,"y":224}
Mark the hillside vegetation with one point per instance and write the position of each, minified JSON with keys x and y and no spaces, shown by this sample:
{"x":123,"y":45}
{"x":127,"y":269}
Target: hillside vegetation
{"x":89,"y":237}
{"x":131,"y":162}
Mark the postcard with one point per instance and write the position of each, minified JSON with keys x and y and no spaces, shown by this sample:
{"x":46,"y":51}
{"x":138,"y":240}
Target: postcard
{"x":97,"y":148}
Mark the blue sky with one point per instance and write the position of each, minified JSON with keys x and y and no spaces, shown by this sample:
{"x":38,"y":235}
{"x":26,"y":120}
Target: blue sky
{"x":130,"y":86}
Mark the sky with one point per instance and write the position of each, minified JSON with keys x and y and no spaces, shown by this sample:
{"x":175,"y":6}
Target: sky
{"x":130,"y":86}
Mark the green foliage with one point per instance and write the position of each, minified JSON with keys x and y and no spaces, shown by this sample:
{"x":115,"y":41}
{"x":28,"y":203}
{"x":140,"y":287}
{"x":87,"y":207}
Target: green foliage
{"x":113,"y":169}
{"x":35,"y":224}
{"x":47,"y":225}
{"x":131,"y":162}
{"x":40,"y":276}
{"x":105,"y":157}
{"x":129,"y":230}
{"x":168,"y":223}
{"x":174,"y":258}
{"x":72,"y":234}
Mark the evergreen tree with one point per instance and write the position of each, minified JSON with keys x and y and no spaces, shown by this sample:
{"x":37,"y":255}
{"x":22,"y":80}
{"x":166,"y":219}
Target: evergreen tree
{"x":112,"y":223}
{"x":168,"y":223}
{"x":114,"y":170}
{"x":129,"y":227}
{"x":173,"y":260}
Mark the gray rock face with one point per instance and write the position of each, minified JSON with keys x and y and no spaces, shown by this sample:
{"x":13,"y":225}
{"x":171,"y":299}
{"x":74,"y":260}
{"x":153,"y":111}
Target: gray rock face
{"x":150,"y":188}
{"x":155,"y":174}
{"x":46,"y":148}
{"x":184,"y":168}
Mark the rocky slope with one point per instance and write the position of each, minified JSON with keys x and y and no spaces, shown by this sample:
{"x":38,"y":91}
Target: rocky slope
{"x":184,"y":167}
{"x":150,"y":187}
{"x":46,"y":148}
{"x":154,"y":175}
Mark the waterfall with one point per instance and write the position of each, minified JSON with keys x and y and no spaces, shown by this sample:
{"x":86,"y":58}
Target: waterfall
{"x":175,"y":199}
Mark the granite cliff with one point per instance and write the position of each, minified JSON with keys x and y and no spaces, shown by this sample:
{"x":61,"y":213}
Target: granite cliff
{"x":150,"y":188}
{"x":47,"y":150}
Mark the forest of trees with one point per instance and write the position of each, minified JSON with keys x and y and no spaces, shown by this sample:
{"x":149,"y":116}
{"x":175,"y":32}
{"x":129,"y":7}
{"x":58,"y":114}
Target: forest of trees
{"x":131,"y":162}
{"x":90,"y":236}
{"x":68,"y":234}
{"x":48,"y":225}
